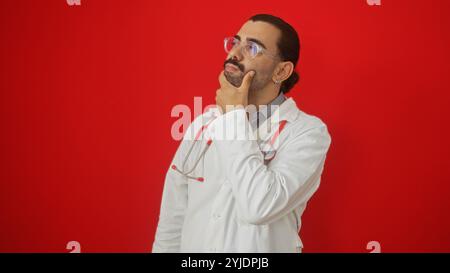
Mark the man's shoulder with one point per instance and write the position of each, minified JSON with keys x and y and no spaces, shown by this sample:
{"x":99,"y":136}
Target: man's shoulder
{"x":305,"y":121}
{"x":310,"y":120}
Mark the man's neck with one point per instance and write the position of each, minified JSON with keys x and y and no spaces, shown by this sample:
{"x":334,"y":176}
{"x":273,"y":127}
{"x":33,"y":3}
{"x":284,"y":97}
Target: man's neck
{"x":262,"y":97}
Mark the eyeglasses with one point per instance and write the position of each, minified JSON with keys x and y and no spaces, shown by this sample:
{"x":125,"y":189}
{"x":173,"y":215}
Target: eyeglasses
{"x":250,"y":49}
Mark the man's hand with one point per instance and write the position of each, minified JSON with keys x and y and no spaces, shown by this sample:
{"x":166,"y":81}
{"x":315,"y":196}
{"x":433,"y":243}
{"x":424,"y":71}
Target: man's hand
{"x":231,"y":96}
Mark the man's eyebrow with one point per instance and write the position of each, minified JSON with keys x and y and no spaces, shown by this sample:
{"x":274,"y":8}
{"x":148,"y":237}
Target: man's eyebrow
{"x":251,"y":40}
{"x":256,"y":41}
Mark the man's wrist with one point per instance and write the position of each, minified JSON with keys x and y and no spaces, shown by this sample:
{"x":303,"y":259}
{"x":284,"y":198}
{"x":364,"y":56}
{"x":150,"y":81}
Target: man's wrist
{"x":229,"y":108}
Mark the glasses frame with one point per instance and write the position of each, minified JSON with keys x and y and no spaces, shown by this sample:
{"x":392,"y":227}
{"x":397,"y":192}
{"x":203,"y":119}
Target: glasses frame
{"x":244,"y":48}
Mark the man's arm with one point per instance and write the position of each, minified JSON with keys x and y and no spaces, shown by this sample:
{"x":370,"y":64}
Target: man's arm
{"x":175,"y":194}
{"x":173,"y":207}
{"x":265,"y":194}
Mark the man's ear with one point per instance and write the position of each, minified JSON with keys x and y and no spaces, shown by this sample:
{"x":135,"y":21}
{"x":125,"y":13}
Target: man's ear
{"x":283,"y":71}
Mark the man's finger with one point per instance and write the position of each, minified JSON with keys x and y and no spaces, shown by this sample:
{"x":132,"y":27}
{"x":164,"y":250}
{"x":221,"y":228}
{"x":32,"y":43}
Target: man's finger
{"x":247,"y":81}
{"x":222,"y":80}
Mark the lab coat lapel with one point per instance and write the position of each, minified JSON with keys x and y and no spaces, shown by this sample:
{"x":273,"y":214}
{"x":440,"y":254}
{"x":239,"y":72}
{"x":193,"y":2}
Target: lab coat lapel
{"x":286,"y":111}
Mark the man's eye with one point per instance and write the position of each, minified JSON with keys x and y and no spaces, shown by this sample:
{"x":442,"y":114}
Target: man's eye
{"x":253,"y":49}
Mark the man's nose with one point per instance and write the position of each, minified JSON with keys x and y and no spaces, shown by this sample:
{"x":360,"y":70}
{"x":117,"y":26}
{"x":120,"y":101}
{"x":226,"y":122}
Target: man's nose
{"x":236,"y":54}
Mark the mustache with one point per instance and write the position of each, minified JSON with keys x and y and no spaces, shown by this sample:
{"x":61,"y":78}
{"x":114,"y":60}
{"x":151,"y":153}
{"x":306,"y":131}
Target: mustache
{"x":233,"y":62}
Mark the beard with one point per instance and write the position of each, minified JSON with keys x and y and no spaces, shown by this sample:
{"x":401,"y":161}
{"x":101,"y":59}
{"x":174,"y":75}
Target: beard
{"x":260,"y":80}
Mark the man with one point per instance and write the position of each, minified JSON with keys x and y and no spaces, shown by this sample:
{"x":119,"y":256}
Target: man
{"x":240,"y":180}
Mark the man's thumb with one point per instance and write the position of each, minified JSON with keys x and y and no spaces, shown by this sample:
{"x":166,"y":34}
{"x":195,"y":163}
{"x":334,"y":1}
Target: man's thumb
{"x":247,"y":80}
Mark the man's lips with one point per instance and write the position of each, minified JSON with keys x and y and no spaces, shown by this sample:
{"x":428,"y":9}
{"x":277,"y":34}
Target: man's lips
{"x":231,"y":68}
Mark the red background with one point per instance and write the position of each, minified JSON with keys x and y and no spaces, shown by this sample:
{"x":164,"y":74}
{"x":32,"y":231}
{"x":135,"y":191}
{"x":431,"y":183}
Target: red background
{"x":87,"y":92}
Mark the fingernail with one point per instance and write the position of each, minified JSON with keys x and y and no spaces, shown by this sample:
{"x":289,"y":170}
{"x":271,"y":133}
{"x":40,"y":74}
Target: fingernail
{"x":252,"y":73}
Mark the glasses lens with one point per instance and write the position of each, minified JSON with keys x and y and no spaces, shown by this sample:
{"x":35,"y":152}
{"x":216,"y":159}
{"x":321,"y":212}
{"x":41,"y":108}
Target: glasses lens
{"x":230,"y":43}
{"x":252,"y":49}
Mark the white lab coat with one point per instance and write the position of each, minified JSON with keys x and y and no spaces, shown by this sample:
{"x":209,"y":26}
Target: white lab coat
{"x":244,"y":204}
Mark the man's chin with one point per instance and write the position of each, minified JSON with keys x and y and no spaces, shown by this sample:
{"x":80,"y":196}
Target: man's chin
{"x":234,"y":78}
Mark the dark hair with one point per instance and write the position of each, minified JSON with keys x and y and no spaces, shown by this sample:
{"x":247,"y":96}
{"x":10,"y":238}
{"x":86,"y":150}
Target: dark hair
{"x":288,"y":46}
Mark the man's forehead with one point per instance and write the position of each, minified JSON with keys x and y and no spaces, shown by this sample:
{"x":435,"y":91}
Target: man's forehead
{"x":262,"y":31}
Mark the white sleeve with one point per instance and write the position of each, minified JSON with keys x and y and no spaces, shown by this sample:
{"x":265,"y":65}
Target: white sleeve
{"x":172,"y":211}
{"x":175,"y":197}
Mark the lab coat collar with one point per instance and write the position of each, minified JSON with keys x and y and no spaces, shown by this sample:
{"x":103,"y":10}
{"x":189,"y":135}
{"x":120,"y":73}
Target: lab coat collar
{"x":256,"y":117}
{"x":286,"y":111}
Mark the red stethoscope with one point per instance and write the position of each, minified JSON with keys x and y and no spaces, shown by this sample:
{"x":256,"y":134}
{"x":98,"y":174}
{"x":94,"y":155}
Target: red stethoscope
{"x":268,"y":151}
